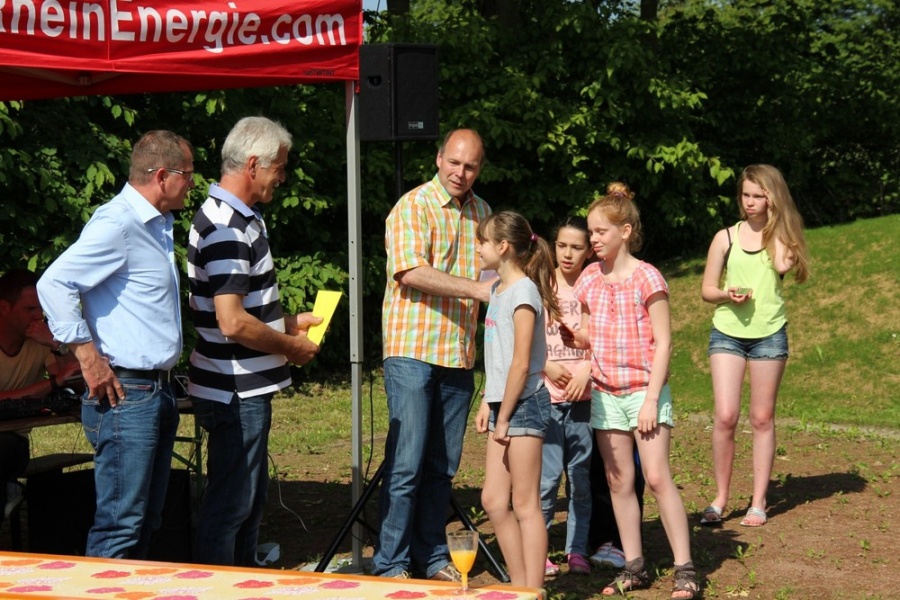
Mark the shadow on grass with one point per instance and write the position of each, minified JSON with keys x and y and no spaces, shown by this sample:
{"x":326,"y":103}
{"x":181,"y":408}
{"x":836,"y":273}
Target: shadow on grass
{"x":324,"y":508}
{"x":794,"y":491}
{"x":305,"y":516}
{"x":713,"y":546}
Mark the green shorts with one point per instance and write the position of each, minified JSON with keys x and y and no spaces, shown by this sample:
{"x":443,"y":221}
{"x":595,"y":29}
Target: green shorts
{"x":609,"y":411}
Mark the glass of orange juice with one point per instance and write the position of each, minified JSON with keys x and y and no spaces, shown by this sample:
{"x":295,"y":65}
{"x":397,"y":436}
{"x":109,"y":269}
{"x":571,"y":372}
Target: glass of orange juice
{"x":463,"y":546}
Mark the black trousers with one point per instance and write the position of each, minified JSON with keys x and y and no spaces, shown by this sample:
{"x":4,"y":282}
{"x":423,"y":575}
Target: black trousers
{"x":13,"y":460}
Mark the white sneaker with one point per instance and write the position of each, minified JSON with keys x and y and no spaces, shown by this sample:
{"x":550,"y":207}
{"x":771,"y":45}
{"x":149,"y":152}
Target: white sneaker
{"x":15,"y":493}
{"x":608,"y":555}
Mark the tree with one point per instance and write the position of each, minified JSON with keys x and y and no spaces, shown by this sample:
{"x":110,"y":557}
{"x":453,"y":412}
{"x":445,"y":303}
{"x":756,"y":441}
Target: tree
{"x":806,"y":85}
{"x":568,"y":95}
{"x":568,"y":101}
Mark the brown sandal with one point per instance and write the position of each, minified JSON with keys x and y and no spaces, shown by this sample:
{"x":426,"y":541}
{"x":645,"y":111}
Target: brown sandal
{"x":632,"y":577}
{"x":685,"y":581}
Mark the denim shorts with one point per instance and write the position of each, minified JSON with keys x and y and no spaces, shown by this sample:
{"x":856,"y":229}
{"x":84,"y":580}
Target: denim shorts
{"x":529,"y":417}
{"x":773,"y":347}
{"x":620,"y":412}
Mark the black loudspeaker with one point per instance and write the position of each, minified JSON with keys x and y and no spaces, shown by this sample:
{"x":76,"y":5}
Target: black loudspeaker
{"x":61,"y":507}
{"x":398,"y":92}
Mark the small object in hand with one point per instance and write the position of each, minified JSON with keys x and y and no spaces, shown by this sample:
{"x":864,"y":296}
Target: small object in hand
{"x":742,"y":291}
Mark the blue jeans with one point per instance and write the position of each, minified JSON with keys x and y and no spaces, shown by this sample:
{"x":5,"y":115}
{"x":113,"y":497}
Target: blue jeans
{"x":568,"y":440}
{"x":133,"y":445}
{"x":237,"y":478}
{"x":772,"y":347}
{"x":529,"y":417}
{"x":428,"y":407}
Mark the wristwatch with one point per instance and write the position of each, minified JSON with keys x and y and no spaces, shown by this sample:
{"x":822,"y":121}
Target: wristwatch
{"x":61,"y":350}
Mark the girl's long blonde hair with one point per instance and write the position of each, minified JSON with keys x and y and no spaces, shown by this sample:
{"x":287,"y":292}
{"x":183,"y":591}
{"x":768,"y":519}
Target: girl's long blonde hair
{"x":785,"y":222}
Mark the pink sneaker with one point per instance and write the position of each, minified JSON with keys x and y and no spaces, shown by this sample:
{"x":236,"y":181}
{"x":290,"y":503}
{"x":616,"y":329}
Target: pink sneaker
{"x":550,"y":569}
{"x":577,"y":564}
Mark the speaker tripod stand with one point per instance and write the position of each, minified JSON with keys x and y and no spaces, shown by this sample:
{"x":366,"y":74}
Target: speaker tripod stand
{"x":354,"y":517}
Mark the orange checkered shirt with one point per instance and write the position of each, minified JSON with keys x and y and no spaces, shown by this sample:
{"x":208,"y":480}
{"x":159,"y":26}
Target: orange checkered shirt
{"x":429,"y":227}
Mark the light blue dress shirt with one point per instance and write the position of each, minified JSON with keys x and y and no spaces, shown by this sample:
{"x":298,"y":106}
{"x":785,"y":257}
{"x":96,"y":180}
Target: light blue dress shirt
{"x":118,"y":286}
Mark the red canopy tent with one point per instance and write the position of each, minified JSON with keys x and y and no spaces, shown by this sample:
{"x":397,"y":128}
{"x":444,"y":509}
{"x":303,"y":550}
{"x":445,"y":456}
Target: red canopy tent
{"x":53,"y":48}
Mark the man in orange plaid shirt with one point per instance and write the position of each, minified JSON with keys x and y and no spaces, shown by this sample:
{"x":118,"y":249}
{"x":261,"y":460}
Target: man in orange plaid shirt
{"x":429,"y":323}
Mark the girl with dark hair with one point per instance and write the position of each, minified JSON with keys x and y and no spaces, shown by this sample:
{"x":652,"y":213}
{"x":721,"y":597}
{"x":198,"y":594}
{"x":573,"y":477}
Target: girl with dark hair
{"x":567,"y":375}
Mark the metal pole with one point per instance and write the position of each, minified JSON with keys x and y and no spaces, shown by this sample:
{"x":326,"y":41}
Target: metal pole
{"x":354,"y":230}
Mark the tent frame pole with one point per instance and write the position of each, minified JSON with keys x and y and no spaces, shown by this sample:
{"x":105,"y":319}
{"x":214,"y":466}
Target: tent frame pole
{"x":354,"y":255}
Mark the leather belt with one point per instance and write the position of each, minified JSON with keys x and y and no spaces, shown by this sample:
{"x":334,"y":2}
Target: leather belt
{"x":150,"y":375}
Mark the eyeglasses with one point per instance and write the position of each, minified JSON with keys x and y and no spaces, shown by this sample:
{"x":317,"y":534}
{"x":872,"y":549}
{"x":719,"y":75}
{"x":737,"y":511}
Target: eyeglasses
{"x":179,"y":171}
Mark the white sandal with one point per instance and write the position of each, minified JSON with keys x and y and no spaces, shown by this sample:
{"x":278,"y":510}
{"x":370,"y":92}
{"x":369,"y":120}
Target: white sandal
{"x":756,"y":513}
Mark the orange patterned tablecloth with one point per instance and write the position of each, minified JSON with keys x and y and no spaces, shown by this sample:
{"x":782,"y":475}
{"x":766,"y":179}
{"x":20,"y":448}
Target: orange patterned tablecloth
{"x":45,"y":576}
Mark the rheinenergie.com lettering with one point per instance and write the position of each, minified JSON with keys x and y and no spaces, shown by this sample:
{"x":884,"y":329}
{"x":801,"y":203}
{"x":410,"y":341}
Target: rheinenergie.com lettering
{"x":128,"y":21}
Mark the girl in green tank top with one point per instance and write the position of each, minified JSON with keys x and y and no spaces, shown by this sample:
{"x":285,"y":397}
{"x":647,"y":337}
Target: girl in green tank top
{"x":745,"y":267}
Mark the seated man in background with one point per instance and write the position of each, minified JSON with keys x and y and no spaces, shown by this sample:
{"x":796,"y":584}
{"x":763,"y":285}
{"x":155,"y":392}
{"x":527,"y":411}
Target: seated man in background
{"x":29,"y":353}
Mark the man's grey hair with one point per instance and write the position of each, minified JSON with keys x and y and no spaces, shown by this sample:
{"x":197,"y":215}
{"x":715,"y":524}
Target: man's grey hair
{"x":254,"y":136}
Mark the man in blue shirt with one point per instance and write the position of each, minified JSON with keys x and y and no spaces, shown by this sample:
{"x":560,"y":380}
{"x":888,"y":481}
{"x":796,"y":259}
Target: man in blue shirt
{"x":113,"y":298}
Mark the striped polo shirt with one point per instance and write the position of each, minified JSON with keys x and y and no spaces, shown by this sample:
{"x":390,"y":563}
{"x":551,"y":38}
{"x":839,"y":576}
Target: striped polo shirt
{"x":228,"y":253}
{"x":429,"y":227}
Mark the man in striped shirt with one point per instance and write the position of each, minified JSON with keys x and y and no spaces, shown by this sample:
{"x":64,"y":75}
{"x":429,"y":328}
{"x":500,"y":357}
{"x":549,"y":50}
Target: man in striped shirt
{"x":245,"y":340}
{"x":429,"y":323}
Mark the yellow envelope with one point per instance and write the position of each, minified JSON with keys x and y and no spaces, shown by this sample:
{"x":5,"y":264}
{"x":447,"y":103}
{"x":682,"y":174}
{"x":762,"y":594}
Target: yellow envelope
{"x":326,"y":303}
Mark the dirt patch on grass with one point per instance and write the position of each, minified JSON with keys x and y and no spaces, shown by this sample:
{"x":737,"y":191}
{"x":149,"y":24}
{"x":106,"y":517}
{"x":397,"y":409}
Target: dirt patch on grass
{"x":834,"y":505}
